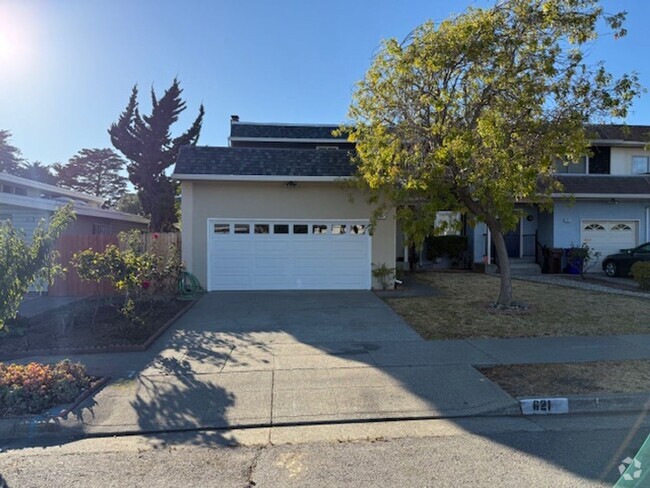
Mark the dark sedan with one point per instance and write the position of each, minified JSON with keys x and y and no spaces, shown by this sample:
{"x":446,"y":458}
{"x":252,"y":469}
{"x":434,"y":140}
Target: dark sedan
{"x":619,"y":264}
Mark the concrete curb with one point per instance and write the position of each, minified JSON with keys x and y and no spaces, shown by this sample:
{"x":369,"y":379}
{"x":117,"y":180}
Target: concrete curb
{"x":609,"y":403}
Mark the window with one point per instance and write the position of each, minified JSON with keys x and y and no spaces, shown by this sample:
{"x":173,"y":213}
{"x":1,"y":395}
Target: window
{"x":20,"y":191}
{"x":7,"y":189}
{"x":594,"y":227}
{"x":280,"y":229}
{"x":327,"y":148}
{"x":576,"y":168}
{"x":621,"y":227}
{"x":222,"y":228}
{"x":599,"y":160}
{"x":300,"y":229}
{"x":339,"y":229}
{"x":640,"y":165}
{"x":319,"y":229}
{"x":5,"y":217}
{"x":262,"y":229}
{"x":242,"y":229}
{"x":358,"y":229}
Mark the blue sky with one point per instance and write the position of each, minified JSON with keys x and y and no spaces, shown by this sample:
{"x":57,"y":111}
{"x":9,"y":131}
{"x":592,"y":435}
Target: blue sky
{"x":67,"y":67}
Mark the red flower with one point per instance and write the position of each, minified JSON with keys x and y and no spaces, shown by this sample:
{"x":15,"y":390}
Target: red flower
{"x":155,"y":236}
{"x":145,"y":284}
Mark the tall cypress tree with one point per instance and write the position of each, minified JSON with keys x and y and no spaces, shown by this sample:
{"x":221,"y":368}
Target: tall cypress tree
{"x":10,"y":156}
{"x":146,"y":141}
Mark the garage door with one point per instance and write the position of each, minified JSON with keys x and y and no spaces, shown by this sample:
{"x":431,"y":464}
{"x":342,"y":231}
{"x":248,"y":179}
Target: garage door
{"x":609,"y":236}
{"x":288,"y":255}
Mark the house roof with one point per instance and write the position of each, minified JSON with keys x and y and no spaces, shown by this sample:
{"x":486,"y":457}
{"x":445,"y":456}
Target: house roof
{"x":50,"y":189}
{"x":249,"y":161}
{"x":619,"y":132}
{"x":249,"y":130}
{"x":605,"y":185}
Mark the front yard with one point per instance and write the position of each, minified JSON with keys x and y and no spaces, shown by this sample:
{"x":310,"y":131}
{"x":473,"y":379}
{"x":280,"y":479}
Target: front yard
{"x":462,"y":310}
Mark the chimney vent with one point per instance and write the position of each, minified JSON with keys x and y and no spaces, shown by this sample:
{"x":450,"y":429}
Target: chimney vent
{"x":234,"y":118}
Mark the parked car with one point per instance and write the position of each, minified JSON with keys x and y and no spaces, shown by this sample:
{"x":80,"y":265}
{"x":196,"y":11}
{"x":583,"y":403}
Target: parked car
{"x":619,"y":264}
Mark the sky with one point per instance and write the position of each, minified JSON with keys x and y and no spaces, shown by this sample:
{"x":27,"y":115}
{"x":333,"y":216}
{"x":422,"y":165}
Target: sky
{"x":67,"y":66}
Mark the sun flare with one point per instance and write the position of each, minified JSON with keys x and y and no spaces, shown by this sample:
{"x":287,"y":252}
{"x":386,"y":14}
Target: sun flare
{"x":16,"y":44}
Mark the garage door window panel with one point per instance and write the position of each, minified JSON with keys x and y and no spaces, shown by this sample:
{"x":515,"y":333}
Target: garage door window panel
{"x":300,"y":229}
{"x":281,"y":229}
{"x":319,"y":229}
{"x":339,"y":229}
{"x":262,"y":229}
{"x":242,"y":228}
{"x":222,"y":228}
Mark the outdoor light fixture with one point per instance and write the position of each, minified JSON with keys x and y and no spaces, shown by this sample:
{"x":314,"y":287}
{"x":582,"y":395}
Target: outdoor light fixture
{"x":291,"y":184}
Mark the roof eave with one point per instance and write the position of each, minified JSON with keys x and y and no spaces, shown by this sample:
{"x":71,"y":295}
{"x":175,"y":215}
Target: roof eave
{"x":270,"y":178}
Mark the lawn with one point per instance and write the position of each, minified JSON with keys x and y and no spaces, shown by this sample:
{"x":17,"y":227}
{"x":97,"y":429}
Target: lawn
{"x":462,"y":310}
{"x":571,"y":379}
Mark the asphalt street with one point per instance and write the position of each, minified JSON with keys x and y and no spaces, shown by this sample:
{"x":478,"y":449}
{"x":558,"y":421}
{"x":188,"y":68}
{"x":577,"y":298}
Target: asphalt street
{"x":561,"y":451}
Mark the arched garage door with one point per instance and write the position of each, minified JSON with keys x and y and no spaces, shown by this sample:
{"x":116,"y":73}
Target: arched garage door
{"x":609,"y":236}
{"x":288,"y":255}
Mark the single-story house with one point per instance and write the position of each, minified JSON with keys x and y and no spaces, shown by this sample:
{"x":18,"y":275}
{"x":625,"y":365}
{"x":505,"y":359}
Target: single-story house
{"x":25,"y":202}
{"x":272,"y":209}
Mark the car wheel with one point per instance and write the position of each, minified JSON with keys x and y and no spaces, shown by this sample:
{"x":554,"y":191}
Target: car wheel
{"x":610,"y":268}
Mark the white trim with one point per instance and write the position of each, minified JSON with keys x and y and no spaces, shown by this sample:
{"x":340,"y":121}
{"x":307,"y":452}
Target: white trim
{"x":52,"y":205}
{"x":289,"y":139}
{"x":17,"y":180}
{"x":618,"y":143}
{"x":521,"y":236}
{"x":206,"y":177}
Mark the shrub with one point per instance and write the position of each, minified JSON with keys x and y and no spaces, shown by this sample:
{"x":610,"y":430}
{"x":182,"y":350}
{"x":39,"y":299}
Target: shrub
{"x":25,"y":263}
{"x":35,"y":387}
{"x":383,"y":274}
{"x":452,"y":246}
{"x":641,"y":274}
{"x":134,"y":271}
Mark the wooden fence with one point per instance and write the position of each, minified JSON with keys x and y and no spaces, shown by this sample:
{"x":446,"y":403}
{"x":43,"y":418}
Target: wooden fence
{"x":71,"y":285}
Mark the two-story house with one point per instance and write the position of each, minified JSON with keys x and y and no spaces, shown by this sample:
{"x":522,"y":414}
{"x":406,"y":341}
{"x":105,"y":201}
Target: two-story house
{"x":605,"y":202}
{"x":271,"y":211}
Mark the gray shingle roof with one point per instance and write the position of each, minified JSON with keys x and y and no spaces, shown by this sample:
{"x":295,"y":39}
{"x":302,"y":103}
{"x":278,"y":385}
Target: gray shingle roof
{"x":631,"y":185}
{"x":248,"y":129}
{"x":249,"y":161}
{"x":636,"y":133}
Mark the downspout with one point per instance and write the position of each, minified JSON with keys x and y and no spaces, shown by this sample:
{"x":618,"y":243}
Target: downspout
{"x":647,"y":224}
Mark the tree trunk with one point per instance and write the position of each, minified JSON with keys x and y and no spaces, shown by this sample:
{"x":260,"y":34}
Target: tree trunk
{"x":505,"y":289}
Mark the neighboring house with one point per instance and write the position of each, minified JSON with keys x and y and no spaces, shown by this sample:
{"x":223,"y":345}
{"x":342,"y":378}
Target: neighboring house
{"x":272,"y":211}
{"x":605,"y":202}
{"x":26,"y":202}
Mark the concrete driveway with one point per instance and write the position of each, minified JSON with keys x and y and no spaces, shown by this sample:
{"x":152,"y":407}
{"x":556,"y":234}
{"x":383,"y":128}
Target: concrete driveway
{"x":281,"y":358}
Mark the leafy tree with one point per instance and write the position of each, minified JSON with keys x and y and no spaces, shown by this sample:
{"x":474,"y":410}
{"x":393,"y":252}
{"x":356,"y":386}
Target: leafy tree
{"x":473,"y":113}
{"x":129,"y":203}
{"x":95,"y":172}
{"x":10,"y":156}
{"x":146,"y":141}
{"x":25,"y":263}
{"x":37,"y":171}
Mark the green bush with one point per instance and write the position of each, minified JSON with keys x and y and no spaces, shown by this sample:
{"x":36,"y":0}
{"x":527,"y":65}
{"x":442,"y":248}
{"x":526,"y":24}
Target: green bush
{"x":438,"y":246}
{"x":641,"y":274}
{"x":25,"y":263}
{"x":35,"y":387}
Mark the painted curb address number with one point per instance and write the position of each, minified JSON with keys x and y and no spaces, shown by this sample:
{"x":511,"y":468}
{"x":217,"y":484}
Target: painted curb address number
{"x":544,"y":406}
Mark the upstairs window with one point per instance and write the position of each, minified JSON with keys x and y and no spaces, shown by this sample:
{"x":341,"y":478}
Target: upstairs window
{"x":640,"y":165}
{"x":578,"y":168}
{"x":599,"y":161}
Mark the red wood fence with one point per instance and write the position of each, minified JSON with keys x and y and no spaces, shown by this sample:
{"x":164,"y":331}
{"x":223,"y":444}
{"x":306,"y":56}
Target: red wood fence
{"x":71,"y":285}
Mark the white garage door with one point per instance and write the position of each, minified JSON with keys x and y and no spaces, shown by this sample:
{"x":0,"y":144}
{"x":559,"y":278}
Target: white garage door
{"x":609,"y":236}
{"x":288,"y":255}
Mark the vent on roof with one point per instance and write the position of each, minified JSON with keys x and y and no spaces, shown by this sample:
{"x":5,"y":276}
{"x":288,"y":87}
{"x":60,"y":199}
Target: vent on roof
{"x":234,"y":118}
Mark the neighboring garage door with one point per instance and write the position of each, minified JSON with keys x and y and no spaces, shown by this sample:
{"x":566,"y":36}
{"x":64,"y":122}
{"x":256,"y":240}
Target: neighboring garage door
{"x":609,"y":236}
{"x":288,"y":255}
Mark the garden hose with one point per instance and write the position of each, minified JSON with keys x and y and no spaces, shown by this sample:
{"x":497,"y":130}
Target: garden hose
{"x":189,"y":287}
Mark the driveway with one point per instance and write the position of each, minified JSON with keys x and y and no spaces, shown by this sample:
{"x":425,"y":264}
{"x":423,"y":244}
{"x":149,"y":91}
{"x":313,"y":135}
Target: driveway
{"x":281,"y":358}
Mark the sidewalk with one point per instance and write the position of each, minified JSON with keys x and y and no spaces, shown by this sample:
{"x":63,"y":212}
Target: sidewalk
{"x":240,"y":369}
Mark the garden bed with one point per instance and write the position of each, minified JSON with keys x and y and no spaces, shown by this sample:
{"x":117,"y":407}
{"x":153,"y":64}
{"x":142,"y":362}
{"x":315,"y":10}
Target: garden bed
{"x":71,"y":329}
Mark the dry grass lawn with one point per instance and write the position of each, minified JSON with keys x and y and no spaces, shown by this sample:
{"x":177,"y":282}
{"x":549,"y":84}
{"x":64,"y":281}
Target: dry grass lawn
{"x":572,"y":379}
{"x":462,"y":310}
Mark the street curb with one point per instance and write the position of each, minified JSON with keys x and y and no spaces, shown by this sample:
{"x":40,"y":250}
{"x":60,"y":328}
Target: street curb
{"x":601,"y":403}
{"x":609,"y":402}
